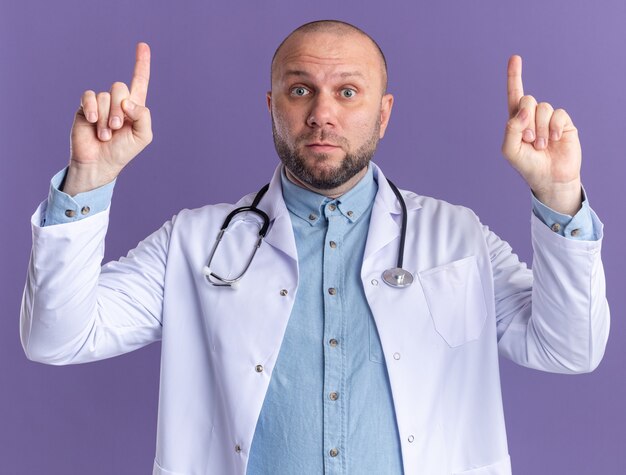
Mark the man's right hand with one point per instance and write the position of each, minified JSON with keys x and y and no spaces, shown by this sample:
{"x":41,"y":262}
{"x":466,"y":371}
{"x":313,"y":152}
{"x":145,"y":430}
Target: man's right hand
{"x":109,"y":130}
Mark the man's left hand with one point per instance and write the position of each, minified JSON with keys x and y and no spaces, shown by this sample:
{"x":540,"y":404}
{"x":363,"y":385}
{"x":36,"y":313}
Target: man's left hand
{"x":542,"y":145}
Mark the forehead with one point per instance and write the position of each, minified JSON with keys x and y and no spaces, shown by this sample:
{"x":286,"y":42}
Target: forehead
{"x":323,"y":53}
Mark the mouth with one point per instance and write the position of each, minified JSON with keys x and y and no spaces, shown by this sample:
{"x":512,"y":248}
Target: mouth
{"x":322,"y":147}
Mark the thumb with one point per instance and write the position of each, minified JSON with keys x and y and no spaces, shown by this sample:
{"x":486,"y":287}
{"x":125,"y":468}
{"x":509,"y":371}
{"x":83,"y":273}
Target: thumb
{"x":513,"y":134}
{"x":140,"y":116}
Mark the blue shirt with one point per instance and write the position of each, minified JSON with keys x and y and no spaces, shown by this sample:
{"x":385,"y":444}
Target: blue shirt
{"x":329,"y":407}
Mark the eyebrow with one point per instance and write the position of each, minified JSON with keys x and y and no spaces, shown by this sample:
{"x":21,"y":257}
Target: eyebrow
{"x":300,"y":73}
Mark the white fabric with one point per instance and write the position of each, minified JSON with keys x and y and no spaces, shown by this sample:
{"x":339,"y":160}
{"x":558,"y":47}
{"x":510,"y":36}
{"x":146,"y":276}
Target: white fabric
{"x":441,"y":337}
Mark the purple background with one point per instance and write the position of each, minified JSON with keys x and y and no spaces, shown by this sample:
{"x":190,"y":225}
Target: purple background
{"x":213,"y":143}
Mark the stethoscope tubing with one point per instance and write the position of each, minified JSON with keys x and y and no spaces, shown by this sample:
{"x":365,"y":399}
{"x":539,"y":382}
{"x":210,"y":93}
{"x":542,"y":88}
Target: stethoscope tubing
{"x":395,"y":277}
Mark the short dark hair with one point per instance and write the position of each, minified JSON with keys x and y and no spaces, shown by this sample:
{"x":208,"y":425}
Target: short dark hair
{"x":337,"y":27}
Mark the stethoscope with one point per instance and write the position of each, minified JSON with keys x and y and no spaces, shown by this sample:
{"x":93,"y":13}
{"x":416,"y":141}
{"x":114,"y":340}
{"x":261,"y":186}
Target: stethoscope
{"x":395,"y":277}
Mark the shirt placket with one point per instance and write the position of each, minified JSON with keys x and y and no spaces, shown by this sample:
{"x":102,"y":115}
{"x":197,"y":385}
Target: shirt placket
{"x":335,"y":347}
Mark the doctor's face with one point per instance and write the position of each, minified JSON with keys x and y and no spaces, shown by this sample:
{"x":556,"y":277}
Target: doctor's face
{"x":328,"y":106}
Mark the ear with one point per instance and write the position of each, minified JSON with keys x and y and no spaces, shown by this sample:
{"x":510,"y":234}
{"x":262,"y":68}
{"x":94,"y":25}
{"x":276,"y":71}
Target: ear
{"x":268,"y":97}
{"x":386,"y":103}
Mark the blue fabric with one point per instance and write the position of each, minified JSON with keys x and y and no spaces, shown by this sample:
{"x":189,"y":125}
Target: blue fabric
{"x":60,"y":204}
{"x":300,"y":423}
{"x":581,"y":227}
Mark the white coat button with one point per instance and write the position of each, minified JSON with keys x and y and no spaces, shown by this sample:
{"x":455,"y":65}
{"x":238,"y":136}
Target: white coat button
{"x":258,"y":368}
{"x":411,"y":438}
{"x":374,"y":282}
{"x":284,"y":292}
{"x":333,"y":452}
{"x":396,"y":356}
{"x":238,"y":448}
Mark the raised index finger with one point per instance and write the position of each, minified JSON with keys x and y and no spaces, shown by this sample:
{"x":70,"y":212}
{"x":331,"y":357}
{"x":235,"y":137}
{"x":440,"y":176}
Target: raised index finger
{"x":141,"y":75}
{"x":515,"y":88}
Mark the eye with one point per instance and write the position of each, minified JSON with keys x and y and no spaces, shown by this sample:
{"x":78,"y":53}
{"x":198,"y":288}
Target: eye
{"x":299,"y":91}
{"x":348,"y":93}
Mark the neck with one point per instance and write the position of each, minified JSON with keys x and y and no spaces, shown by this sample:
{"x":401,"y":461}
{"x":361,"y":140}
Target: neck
{"x":332,"y":193}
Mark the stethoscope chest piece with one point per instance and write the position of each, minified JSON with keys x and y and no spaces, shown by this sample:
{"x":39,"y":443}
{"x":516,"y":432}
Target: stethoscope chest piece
{"x":398,"y":277}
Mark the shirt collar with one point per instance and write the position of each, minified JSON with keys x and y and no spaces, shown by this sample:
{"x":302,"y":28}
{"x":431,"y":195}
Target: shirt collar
{"x":311,"y":206}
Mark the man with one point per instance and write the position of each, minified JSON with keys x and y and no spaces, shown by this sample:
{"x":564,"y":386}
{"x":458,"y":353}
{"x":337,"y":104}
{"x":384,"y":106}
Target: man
{"x":315,"y":364}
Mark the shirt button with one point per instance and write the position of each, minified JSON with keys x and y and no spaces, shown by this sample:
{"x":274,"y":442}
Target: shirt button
{"x":350,"y":213}
{"x":85,"y":210}
{"x":238,"y":448}
{"x":396,"y":356}
{"x":70,"y":213}
{"x":333,"y":342}
{"x":333,"y":452}
{"x":258,"y":368}
{"x":332,"y":291}
{"x":284,"y":292}
{"x":312,"y":217}
{"x":332,"y":244}
{"x":332,"y":207}
{"x":556,"y":227}
{"x":575,"y":232}
{"x":333,"y":396}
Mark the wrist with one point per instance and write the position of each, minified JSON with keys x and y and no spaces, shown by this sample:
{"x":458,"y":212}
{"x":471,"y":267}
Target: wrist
{"x":81,"y":178}
{"x":562,"y":198}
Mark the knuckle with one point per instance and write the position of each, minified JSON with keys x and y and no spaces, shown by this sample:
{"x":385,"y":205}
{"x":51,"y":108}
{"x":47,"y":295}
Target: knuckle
{"x":118,"y":86}
{"x":511,"y":125}
{"x":545,"y":106}
{"x":88,"y":100}
{"x":144,"y":113}
{"x":103,"y":97}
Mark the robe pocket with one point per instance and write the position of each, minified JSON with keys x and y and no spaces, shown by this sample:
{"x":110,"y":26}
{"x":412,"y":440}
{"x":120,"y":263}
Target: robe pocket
{"x":502,"y":467}
{"x":158,"y":470}
{"x":455,"y":299}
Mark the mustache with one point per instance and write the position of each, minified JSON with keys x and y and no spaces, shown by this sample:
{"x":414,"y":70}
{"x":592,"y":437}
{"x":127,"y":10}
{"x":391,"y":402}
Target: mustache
{"x":324,"y":136}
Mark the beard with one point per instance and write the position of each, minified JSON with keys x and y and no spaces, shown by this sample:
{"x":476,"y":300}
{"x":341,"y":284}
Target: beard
{"x":325,"y":179}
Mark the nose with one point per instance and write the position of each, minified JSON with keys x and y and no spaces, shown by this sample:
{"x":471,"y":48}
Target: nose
{"x":322,"y":112}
